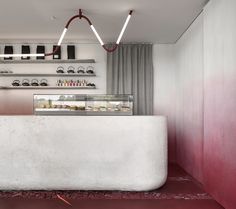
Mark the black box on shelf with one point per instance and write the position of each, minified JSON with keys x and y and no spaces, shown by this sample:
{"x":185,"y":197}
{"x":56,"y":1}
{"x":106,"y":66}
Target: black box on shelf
{"x":40,"y":50}
{"x":25,"y":49}
{"x":70,"y":52}
{"x":57,"y":55}
{"x":8,"y":50}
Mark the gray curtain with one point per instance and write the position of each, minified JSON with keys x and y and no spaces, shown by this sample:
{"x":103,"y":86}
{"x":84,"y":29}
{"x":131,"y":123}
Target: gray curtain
{"x":130,"y":71}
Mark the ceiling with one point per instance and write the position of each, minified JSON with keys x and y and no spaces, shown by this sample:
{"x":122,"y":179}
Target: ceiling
{"x":154,"y":21}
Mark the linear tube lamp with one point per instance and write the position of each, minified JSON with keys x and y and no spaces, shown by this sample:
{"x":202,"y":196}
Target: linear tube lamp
{"x":80,"y":16}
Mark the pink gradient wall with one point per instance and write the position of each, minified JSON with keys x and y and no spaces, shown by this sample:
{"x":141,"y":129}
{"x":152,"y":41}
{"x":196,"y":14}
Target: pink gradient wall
{"x":189,"y":108}
{"x":220,"y":101}
{"x":206,"y":101}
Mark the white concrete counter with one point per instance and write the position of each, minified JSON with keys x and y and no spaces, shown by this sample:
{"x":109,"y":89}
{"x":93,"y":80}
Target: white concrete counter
{"x":83,"y":152}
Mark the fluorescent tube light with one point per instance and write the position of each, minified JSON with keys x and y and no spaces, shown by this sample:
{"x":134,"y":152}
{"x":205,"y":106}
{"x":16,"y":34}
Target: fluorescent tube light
{"x":97,"y":35}
{"x":62,"y":36}
{"x":22,"y":55}
{"x":123,"y":29}
{"x":80,"y":16}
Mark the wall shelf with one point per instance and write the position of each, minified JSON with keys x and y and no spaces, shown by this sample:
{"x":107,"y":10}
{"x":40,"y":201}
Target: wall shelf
{"x":85,"y":61}
{"x":46,"y":75}
{"x":48,"y":87}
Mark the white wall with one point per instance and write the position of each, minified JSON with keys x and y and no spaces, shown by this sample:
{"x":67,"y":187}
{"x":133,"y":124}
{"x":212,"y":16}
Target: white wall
{"x":165,"y":89}
{"x":20,"y":101}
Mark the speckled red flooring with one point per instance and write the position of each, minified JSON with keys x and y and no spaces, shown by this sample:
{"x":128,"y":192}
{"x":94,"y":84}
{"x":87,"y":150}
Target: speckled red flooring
{"x":180,"y":191}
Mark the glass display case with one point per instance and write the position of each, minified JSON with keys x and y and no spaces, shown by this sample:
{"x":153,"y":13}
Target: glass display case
{"x":77,"y":104}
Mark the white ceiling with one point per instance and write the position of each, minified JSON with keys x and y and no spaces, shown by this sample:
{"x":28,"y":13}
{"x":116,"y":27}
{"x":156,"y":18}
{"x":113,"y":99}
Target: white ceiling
{"x":155,"y":21}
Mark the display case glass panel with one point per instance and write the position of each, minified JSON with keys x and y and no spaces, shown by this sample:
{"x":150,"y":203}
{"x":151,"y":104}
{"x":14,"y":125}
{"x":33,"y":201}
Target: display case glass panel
{"x":77,"y":104}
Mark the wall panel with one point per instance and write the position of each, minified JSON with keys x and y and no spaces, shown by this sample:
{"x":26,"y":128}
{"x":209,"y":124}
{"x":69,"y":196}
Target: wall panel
{"x":165,"y":90}
{"x":189,"y":107}
{"x":220,"y":101}
{"x":206,"y":100}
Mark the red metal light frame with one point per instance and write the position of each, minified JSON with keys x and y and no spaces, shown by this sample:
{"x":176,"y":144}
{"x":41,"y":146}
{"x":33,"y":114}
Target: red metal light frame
{"x":81,"y":16}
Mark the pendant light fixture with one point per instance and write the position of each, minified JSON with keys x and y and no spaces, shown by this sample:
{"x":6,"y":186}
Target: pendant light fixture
{"x":80,"y":16}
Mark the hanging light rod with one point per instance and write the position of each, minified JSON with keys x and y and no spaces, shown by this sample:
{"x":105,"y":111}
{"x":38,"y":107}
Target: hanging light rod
{"x":80,"y":16}
{"x":21,"y":55}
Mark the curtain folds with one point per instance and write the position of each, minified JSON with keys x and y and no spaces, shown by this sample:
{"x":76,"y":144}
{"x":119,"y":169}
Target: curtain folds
{"x":130,"y":71}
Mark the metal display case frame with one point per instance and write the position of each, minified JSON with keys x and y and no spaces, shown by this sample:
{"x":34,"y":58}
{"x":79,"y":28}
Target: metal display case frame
{"x":83,"y":104}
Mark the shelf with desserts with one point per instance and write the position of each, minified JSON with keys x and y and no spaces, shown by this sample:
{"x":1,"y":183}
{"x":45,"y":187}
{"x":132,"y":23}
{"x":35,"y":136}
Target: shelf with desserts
{"x":81,"y":104}
{"x":43,"y":84}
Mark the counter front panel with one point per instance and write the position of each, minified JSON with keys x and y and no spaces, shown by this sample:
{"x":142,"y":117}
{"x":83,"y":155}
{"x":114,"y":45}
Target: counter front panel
{"x":83,"y":153}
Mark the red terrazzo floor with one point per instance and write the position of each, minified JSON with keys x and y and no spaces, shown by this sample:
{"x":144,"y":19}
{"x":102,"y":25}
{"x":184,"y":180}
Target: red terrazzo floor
{"x":181,"y":191}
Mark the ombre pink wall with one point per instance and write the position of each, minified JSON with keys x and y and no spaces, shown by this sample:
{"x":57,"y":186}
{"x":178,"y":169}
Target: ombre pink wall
{"x":189,"y":105}
{"x":206,"y":101}
{"x":220,"y":101}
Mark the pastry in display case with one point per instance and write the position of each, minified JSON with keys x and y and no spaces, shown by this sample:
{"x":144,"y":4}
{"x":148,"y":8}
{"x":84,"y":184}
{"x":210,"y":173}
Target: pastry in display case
{"x":79,"y":104}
